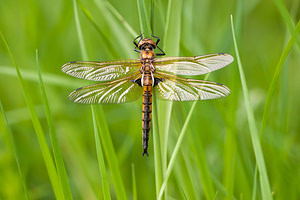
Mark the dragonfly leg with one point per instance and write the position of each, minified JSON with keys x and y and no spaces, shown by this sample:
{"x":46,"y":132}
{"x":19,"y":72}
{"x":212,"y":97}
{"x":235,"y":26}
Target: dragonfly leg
{"x":158,"y":39}
{"x":137,"y":50}
{"x":134,"y":41}
{"x":162,"y":52}
{"x":136,"y":44}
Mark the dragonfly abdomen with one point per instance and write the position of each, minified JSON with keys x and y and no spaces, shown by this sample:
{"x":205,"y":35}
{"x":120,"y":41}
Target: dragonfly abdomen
{"x":147,"y":109}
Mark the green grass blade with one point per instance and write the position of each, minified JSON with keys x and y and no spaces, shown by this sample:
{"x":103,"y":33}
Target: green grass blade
{"x":60,"y":166}
{"x":145,"y":28}
{"x":49,"y":78}
{"x":110,"y":155}
{"x":79,"y":32}
{"x":275,"y":79}
{"x":134,"y":190}
{"x":14,"y":149}
{"x":106,"y":41}
{"x":50,"y":166}
{"x":201,"y":160}
{"x":171,"y":47}
{"x":172,"y":31}
{"x":161,"y":12}
{"x":115,"y":27}
{"x":288,"y":21}
{"x":121,"y":19}
{"x":156,"y":147}
{"x":105,"y":186}
{"x":264,"y":182}
{"x":202,"y":164}
{"x":230,"y":154}
{"x":151,"y":15}
{"x":104,"y":132}
{"x":254,"y":191}
{"x":175,"y":151}
{"x":144,"y":20}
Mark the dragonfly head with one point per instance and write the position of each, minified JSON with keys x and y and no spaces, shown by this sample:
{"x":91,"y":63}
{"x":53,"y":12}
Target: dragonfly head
{"x":147,"y":44}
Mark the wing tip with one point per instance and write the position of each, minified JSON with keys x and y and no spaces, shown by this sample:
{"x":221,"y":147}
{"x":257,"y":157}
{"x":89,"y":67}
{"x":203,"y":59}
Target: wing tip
{"x":227,"y":91}
{"x":72,"y":96}
{"x":76,"y":98}
{"x":229,"y":57}
{"x":66,"y":66}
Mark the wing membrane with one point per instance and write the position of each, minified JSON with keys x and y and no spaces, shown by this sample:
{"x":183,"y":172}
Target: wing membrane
{"x":119,"y":91}
{"x":193,"y":65}
{"x":181,"y":89}
{"x":101,"y":71}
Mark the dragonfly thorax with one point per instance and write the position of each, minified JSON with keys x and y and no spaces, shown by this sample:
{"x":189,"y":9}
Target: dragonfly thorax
{"x":147,"y":56}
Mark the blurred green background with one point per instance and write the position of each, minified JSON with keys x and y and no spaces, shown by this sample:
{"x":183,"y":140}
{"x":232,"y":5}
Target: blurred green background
{"x":216,"y":158}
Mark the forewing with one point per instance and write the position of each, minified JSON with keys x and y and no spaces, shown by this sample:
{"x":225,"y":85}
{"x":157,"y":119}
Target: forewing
{"x":191,"y":66}
{"x":101,"y":71}
{"x":180,"y":89}
{"x":119,"y":91}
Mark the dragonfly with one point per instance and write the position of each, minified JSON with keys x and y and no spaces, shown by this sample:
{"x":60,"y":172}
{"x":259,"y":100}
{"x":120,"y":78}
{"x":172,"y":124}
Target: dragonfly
{"x":126,"y":80}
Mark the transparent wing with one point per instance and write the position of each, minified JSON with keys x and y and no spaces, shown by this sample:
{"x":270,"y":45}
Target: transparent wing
{"x":181,"y":89}
{"x":193,"y":65}
{"x":101,"y":71}
{"x":119,"y":91}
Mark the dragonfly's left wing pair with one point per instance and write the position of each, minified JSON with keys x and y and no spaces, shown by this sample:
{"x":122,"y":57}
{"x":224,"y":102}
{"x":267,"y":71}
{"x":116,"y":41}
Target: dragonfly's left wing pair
{"x":119,"y":90}
{"x":121,"y":74}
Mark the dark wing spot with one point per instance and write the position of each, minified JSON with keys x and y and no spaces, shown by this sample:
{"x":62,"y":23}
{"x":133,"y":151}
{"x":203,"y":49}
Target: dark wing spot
{"x":78,"y":88}
{"x":219,"y":84}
